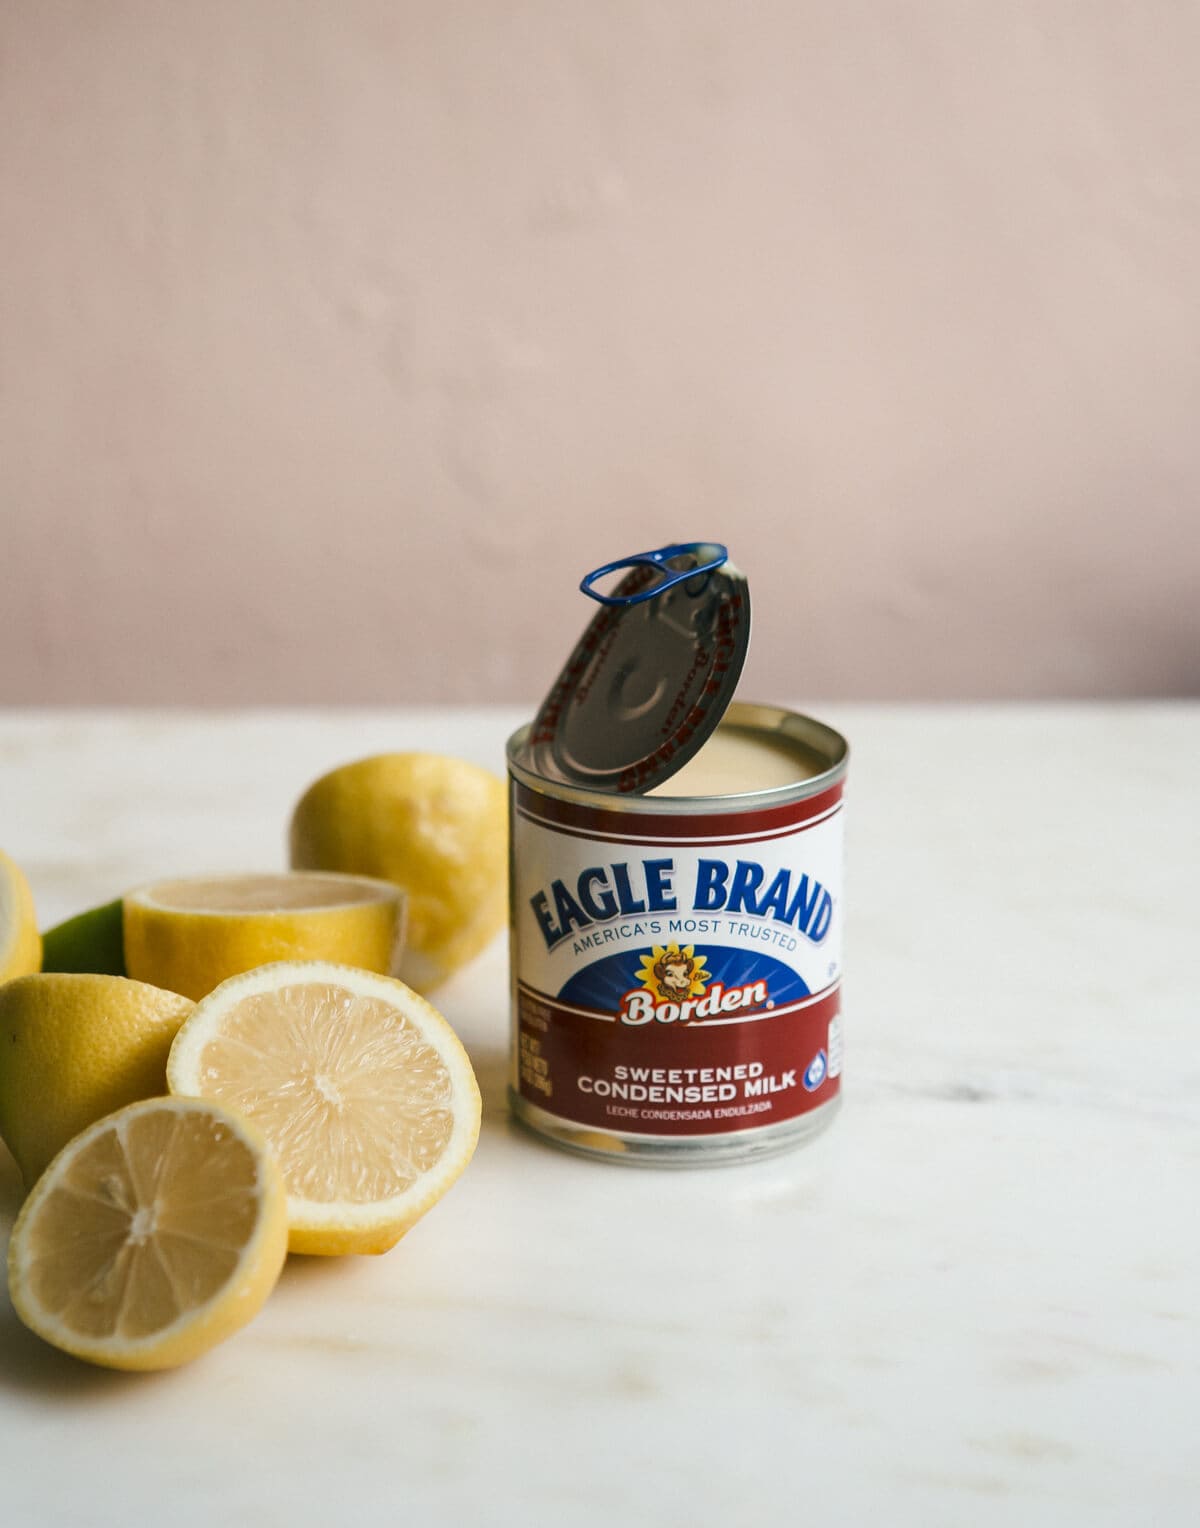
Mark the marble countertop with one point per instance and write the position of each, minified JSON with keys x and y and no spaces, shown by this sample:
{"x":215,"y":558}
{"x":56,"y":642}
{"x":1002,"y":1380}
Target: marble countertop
{"x":972,"y":1301}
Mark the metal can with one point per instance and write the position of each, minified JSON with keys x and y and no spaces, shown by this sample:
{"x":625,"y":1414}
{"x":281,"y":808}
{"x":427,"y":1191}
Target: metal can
{"x":676,"y":958}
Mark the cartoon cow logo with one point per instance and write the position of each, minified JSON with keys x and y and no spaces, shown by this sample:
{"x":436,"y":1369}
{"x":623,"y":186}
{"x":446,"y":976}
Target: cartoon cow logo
{"x":673,"y":973}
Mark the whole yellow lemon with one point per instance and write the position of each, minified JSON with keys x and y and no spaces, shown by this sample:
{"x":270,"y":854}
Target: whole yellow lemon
{"x":437,"y":827}
{"x":75,"y":1048}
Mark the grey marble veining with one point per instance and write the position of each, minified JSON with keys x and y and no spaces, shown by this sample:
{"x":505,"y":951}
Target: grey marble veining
{"x":973,"y":1301}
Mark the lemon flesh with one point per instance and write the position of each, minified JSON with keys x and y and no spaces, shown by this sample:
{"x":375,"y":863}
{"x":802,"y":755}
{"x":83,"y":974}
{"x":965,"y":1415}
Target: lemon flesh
{"x":193,"y":933}
{"x":363,"y":1091}
{"x":20,"y":943}
{"x":437,"y":827}
{"x":76,"y":1047}
{"x":156,"y":1233}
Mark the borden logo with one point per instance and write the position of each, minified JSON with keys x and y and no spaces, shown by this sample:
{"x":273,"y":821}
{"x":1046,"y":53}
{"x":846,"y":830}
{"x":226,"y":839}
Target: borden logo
{"x":678,"y":978}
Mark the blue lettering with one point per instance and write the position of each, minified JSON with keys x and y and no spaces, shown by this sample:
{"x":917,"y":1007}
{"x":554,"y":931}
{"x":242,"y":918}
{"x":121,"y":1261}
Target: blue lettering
{"x":820,"y":924}
{"x":804,"y":904}
{"x":604,"y":892}
{"x":570,"y":914}
{"x":809,"y":909}
{"x":711,"y":876}
{"x":659,"y":891}
{"x":541,"y":911}
{"x":603,"y":905}
{"x":747,"y":878}
{"x":628,"y":902}
{"x":775,"y":897}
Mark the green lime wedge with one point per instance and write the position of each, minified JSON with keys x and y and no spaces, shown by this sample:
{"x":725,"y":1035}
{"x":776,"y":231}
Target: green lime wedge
{"x":93,"y":942}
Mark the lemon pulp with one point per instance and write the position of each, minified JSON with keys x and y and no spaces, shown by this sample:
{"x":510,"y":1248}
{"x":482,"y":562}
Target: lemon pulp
{"x":362,"y":1089}
{"x":155,"y":1233}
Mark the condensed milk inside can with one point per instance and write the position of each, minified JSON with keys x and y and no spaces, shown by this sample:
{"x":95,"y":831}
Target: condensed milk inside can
{"x":676,"y":887}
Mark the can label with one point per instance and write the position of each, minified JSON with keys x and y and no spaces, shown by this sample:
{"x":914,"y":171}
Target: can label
{"x":676,"y":974}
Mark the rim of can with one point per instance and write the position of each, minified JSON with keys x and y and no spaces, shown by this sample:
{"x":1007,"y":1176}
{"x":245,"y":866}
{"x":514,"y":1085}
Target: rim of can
{"x":812,"y":736}
{"x":652,"y":675}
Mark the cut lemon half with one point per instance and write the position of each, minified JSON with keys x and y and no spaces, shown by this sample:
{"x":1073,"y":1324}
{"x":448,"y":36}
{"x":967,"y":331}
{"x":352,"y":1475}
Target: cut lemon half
{"x":154,"y":1234}
{"x":20,"y":943}
{"x":192,"y":933}
{"x":361,"y":1088}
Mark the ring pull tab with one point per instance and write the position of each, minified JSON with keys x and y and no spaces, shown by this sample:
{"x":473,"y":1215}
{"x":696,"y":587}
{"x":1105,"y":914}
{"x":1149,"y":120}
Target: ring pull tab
{"x":707,"y":555}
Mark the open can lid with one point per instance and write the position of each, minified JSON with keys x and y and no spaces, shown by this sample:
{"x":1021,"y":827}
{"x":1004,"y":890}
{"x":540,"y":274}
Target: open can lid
{"x":651,"y":676}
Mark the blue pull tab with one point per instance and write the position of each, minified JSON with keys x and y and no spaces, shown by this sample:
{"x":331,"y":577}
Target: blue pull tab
{"x":709,"y":555}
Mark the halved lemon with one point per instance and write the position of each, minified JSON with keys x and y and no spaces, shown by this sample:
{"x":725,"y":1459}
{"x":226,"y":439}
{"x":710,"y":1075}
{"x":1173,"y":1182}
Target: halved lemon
{"x":362,"y":1089}
{"x":154,"y":1234}
{"x":191,"y":933}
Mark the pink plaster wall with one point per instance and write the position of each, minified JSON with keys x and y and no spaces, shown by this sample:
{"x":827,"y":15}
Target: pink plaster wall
{"x":338,"y":339}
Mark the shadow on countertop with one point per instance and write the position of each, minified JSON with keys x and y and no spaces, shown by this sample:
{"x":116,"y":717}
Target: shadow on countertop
{"x":31,"y":1367}
{"x":491,"y":1072}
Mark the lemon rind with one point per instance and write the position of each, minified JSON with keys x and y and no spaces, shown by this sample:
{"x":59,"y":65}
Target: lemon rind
{"x":143,"y":896}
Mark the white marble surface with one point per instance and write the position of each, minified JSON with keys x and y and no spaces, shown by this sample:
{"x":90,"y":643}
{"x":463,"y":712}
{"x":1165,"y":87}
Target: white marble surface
{"x":973,"y":1301}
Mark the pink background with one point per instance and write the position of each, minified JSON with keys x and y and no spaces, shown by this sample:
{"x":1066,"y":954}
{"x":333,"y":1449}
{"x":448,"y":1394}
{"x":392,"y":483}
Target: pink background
{"x":338,"y":340}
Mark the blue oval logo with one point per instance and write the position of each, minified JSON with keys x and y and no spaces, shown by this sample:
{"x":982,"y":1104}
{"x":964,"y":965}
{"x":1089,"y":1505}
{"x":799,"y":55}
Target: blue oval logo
{"x":815,"y":1073}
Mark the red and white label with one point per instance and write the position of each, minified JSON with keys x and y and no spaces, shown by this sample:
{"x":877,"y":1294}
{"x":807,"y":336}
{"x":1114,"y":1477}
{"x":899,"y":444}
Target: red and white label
{"x":676,"y":975}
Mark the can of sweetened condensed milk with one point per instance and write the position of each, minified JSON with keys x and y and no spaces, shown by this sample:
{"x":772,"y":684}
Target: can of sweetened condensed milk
{"x":676,"y":896}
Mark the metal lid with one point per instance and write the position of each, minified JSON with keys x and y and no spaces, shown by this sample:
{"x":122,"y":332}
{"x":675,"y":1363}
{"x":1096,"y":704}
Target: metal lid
{"x":651,"y":676}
